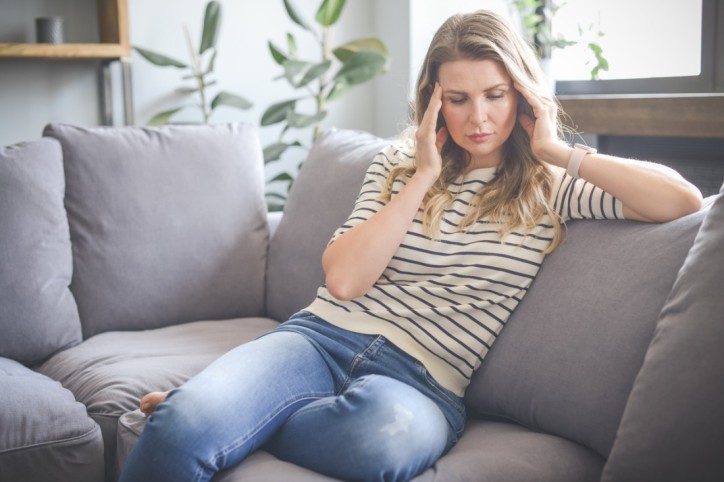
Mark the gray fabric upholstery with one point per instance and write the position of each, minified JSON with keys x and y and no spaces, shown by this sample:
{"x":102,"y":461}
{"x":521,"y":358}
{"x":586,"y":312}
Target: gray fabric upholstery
{"x":45,"y":435}
{"x":569,"y":354}
{"x":673,"y":425}
{"x":110,"y":372}
{"x":168,"y":224}
{"x":38,"y":315}
{"x":495,"y":452}
{"x":489,"y":451}
{"x":320,"y":201}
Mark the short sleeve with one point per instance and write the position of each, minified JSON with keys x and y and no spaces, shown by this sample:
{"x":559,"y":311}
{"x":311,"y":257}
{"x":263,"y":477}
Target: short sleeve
{"x":369,"y":200}
{"x":579,"y":199}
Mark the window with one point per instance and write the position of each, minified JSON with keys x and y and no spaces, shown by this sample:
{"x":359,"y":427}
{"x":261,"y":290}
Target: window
{"x":652,"y":46}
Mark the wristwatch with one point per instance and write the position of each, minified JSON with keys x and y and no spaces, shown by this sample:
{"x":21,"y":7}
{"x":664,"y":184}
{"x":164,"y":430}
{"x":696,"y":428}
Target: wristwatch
{"x":579,"y":152}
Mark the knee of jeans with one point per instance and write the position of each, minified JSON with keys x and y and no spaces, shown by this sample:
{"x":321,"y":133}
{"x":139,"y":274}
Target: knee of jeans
{"x":409,"y":434}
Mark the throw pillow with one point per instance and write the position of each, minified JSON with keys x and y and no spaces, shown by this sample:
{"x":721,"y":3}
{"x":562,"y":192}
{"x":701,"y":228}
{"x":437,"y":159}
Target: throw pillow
{"x":38,"y":315}
{"x":168,"y":223}
{"x":673,"y":425}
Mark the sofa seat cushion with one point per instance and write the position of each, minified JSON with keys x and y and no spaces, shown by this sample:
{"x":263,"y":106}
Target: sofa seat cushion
{"x":673,"y":425}
{"x":492,"y":451}
{"x":567,"y":359}
{"x":38,"y":314}
{"x":320,"y":201}
{"x":487,"y":452}
{"x":110,"y":372}
{"x":45,"y":434}
{"x":168,"y":224}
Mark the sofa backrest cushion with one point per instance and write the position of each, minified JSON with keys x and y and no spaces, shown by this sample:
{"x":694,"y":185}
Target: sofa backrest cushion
{"x":320,"y":201}
{"x":567,"y":358}
{"x":38,"y":315}
{"x":168,"y":224}
{"x":673,"y":424}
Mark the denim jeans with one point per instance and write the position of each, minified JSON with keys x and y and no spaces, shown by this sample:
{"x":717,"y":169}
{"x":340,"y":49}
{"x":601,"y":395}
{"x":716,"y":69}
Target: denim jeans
{"x":344,"y":404}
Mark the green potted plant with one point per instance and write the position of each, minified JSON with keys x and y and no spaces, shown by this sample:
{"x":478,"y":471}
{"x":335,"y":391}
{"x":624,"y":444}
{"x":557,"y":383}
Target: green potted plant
{"x":536,"y":17}
{"x":319,"y":81}
{"x":199,"y":70}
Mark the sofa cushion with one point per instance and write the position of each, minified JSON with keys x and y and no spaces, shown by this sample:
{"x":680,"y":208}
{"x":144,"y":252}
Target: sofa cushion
{"x":566,"y":360}
{"x":38,"y":315}
{"x":46,"y":435}
{"x":320,"y":201}
{"x":168,"y":224}
{"x":496,"y":452}
{"x":489,"y":451}
{"x":110,"y":372}
{"x":673,"y":424}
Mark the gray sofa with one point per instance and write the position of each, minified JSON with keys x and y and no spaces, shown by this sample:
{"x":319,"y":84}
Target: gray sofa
{"x":133,"y":257}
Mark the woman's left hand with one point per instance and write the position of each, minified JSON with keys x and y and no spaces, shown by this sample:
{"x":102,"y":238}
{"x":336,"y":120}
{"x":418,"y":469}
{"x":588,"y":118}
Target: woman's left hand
{"x":541,"y":128}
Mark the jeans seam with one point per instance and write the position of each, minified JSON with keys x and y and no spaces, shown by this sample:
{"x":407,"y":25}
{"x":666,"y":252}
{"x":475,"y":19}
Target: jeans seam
{"x":240,"y":441}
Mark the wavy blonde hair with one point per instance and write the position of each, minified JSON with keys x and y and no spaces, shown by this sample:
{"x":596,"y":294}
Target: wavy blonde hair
{"x":519,"y":195}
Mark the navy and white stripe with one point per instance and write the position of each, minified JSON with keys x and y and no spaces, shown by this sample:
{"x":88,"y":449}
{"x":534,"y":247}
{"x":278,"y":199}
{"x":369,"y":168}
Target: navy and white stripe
{"x":444,"y":301}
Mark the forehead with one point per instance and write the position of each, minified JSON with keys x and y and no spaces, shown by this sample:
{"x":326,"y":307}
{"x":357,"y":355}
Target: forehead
{"x":472,"y":74}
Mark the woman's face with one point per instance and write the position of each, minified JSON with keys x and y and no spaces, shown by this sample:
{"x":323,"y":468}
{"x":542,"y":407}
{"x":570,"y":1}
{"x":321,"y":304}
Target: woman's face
{"x":479,"y":104}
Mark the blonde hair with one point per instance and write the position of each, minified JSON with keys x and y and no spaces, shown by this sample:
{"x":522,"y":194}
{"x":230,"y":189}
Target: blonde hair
{"x":518,"y":197}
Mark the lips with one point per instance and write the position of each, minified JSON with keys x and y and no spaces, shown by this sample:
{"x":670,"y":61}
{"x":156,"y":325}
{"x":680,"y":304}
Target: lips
{"x":480,"y":138}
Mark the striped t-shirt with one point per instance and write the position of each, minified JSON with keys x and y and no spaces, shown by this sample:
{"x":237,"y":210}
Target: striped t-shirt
{"x":444,"y":301}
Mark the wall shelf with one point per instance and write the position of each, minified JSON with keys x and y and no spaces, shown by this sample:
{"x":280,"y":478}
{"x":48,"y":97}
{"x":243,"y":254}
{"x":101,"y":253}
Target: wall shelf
{"x":63,"y":51}
{"x":678,"y":115}
{"x":114,"y":46}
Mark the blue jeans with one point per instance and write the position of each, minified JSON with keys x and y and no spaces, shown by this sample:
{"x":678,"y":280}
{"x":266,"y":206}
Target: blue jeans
{"x":344,"y":404}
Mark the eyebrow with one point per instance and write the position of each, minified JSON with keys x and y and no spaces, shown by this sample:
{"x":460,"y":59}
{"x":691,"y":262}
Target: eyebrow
{"x":496,"y":86}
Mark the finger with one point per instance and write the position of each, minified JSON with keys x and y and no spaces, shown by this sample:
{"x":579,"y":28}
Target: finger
{"x":441,"y":138}
{"x":429,"y":119}
{"x":540,"y":105}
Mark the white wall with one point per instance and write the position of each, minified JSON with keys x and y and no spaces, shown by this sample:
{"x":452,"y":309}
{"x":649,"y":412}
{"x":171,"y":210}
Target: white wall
{"x":33,"y":93}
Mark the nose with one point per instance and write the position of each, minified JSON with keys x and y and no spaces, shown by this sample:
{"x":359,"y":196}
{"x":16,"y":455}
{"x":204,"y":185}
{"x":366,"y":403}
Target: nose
{"x":478,"y":113}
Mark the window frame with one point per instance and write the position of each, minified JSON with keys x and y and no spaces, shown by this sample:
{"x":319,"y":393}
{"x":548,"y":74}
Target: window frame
{"x":711,"y":78}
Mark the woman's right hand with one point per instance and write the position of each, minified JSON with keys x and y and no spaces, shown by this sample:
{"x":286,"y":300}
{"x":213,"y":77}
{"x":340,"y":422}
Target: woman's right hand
{"x":429,"y":143}
{"x":357,"y":258}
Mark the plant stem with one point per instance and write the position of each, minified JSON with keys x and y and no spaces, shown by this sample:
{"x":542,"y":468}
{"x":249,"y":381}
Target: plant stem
{"x":326,"y":55}
{"x":198,"y":75}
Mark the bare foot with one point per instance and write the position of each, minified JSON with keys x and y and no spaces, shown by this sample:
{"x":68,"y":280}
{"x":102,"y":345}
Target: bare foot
{"x":151,"y":400}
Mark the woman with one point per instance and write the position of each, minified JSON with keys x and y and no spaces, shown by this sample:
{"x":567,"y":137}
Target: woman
{"x":447,"y":234}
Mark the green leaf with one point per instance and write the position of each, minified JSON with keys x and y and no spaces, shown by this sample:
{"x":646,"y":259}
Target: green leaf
{"x":277,"y":112}
{"x":314,"y":73}
{"x":231,"y":100}
{"x":159,"y":59}
{"x":339,"y":88}
{"x":277,"y":54}
{"x":274,"y":151}
{"x":283,"y":176}
{"x":275,"y":195}
{"x":361,"y":67}
{"x":292,"y":12}
{"x":329,"y":12}
{"x":212,"y":17}
{"x":294,"y":68}
{"x":291,"y":45}
{"x":212,"y":60}
{"x":163,"y":117}
{"x":186,"y":90}
{"x":301,"y":121}
{"x":369,"y":44}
